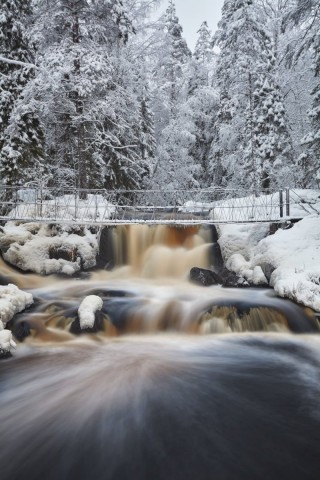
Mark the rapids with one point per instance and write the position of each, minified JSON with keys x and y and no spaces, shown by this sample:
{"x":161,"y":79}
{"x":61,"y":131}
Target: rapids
{"x":180,"y":382}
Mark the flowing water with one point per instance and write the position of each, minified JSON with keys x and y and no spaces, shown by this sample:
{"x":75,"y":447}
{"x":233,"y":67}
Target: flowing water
{"x":176,"y":381}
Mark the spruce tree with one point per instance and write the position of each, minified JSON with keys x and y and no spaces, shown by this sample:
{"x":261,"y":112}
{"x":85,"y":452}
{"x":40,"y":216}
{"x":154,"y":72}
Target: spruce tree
{"x":86,"y":94}
{"x":245,"y":68}
{"x":201,"y":104}
{"x":177,"y":55}
{"x":146,"y":128}
{"x":21,"y":135}
{"x":203,"y":50}
{"x":306,"y":14}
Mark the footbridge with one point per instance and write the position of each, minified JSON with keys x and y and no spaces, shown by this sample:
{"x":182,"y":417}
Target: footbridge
{"x":178,"y":207}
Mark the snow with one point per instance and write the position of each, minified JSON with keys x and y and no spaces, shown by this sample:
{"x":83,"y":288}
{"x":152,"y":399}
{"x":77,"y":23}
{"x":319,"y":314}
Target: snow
{"x":262,"y":208}
{"x":29,"y":247}
{"x":66,"y":208}
{"x":87,"y":310}
{"x":292,"y":257}
{"x":12,"y":301}
{"x":266,"y":207}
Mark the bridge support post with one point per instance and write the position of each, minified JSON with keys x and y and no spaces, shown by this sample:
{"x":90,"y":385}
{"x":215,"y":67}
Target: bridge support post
{"x":281,"y":202}
{"x":287,"y":202}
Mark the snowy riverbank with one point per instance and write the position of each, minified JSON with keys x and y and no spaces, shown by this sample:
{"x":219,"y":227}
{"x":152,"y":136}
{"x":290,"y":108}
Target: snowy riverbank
{"x":289,"y":259}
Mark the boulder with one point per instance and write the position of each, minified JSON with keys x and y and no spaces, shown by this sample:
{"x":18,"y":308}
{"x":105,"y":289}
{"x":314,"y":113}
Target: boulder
{"x":202,"y":276}
{"x":98,"y":325}
{"x":233,"y":280}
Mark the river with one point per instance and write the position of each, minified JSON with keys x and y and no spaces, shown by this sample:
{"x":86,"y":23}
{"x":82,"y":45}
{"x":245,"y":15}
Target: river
{"x":178,"y":382}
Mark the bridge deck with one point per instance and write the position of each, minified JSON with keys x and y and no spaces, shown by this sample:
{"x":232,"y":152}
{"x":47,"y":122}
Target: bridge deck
{"x":103,"y":207}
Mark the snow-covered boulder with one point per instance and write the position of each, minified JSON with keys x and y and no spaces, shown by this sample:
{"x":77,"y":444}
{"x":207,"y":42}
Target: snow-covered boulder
{"x":12,"y":301}
{"x":90,"y":319}
{"x":6,"y":343}
{"x":87,"y":310}
{"x":289,"y":259}
{"x":45,"y":249}
{"x":294,"y":255}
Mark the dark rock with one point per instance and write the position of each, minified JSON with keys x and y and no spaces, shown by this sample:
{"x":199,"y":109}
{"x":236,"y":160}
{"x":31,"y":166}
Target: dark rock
{"x":5,"y":354}
{"x":19,"y":329}
{"x":267,"y":269}
{"x":65,"y":253}
{"x":97,"y":326}
{"x":232,"y":280}
{"x":106,"y":256}
{"x":204,"y":277}
{"x":214,"y":233}
{"x":235,"y":281}
{"x":216,"y":260}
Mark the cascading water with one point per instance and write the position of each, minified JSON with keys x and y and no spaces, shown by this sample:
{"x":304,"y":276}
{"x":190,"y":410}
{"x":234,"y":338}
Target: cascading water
{"x":156,"y":393}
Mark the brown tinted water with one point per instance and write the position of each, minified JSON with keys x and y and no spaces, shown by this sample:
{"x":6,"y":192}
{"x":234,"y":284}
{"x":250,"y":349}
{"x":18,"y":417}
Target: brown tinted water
{"x":181,"y":382}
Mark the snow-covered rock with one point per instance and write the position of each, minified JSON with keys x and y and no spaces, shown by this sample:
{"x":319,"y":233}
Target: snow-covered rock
{"x":292,"y":257}
{"x":6,"y":342}
{"x":87,"y":310}
{"x":12,"y":301}
{"x":44,"y":250}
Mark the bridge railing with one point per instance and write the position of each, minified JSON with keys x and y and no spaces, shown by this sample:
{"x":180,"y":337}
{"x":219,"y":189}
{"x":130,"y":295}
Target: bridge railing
{"x":214,"y":205}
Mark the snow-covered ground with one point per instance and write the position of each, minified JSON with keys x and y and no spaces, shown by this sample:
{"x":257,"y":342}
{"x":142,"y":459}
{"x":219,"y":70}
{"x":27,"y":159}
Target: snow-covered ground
{"x":290,"y":259}
{"x":66,"y":208}
{"x":262,"y":208}
{"x":38,"y":247}
{"x":12,"y":301}
{"x":267,"y":207}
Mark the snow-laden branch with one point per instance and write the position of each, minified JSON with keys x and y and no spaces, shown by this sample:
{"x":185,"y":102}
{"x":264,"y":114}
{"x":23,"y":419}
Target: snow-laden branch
{"x":17,"y":62}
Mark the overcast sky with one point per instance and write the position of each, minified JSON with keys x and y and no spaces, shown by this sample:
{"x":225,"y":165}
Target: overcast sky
{"x":192,"y":13}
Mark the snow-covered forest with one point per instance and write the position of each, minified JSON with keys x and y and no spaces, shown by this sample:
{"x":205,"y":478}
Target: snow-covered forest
{"x":100,"y":94}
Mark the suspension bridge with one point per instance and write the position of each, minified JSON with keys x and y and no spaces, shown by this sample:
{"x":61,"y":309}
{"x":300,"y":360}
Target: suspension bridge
{"x":116,"y":207}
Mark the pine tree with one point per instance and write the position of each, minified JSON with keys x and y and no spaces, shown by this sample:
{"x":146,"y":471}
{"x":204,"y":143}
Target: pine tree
{"x":21,"y":136}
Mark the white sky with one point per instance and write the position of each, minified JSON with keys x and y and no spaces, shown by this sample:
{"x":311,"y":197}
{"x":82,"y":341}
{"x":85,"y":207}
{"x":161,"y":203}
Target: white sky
{"x":192,"y":13}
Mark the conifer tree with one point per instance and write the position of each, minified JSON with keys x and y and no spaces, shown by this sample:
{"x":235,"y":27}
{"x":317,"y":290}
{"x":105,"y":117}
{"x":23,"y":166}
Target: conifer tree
{"x":201,"y":104}
{"x":203,"y":50}
{"x":306,"y":14}
{"x":252,"y":150}
{"x":85,"y":91}
{"x":21,"y":136}
{"x":146,"y":128}
{"x":172,"y":157}
{"x":177,"y":55}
